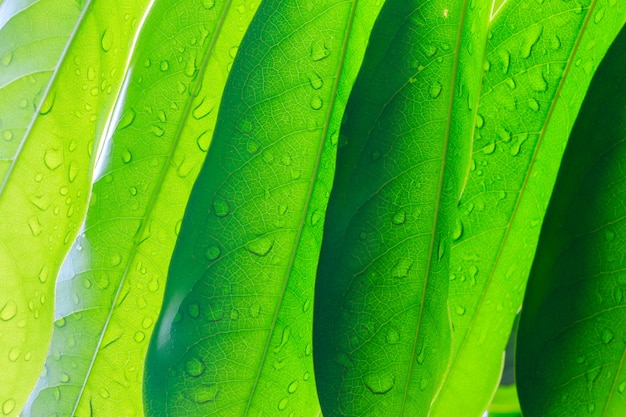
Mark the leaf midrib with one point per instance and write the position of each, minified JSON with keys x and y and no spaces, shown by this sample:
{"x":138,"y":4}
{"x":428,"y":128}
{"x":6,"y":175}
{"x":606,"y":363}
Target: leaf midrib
{"x":161,"y":179}
{"x":306,"y":206}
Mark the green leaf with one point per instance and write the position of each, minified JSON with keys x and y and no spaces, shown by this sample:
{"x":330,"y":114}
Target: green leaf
{"x":571,"y":345}
{"x":382,"y":333}
{"x":110,"y":289}
{"x":46,"y":180}
{"x":234,"y":335}
{"x":538,"y":61}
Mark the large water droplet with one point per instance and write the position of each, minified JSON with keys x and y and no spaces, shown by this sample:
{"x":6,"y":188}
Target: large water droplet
{"x":293,"y":387}
{"x":319,"y":51}
{"x":106,"y":41}
{"x":53,"y":159}
{"x":195,"y":367}
{"x":261,"y":246}
{"x":315,"y":80}
{"x":8,"y":406}
{"x":379,"y":384}
{"x":435,"y":89}
{"x":316,"y":102}
{"x":530,"y":40}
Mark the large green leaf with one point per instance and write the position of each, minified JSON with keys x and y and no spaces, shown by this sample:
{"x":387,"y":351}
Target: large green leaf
{"x":572,"y":336}
{"x":234,"y":336}
{"x":110,"y":289}
{"x":382,"y":332}
{"x":539,"y":58}
{"x":46,"y":179}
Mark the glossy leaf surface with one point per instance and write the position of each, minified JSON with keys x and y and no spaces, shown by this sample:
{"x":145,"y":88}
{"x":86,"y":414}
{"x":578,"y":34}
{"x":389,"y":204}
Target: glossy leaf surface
{"x":111,"y":286}
{"x":234,"y":336}
{"x":46,"y":181}
{"x":571,"y":344}
{"x":382,"y":333}
{"x":538,"y":60}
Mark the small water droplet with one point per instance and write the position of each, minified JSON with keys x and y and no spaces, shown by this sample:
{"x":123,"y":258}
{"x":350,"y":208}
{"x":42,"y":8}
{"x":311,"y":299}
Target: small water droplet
{"x":64,"y":378}
{"x":399,"y":218}
{"x":621,"y":387}
{"x":8,"y":406}
{"x":480,"y":121}
{"x":14,"y":353}
{"x":208,"y":4}
{"x":315,"y":80}
{"x":489,"y":148}
{"x":212,"y":253}
{"x":53,"y":159}
{"x":316,"y":102}
{"x":392,"y":337}
{"x":252,"y":147}
{"x":261,"y":246}
{"x":127,"y":119}
{"x":315,"y":217}
{"x":591,"y":407}
{"x":6,"y":58}
{"x":379,"y":384}
{"x":157,"y":131}
{"x":221,"y":208}
{"x":282,"y":404}
{"x":402,"y":268}
{"x":435,"y":89}
{"x":510,"y":82}
{"x":457,"y":232}
{"x":205,"y":393}
{"x":460,"y":310}
{"x":193,"y":310}
{"x":607,"y":336}
{"x":7,"y":135}
{"x":195,"y":367}
{"x":164,"y":66}
{"x":127,"y":156}
{"x":255,"y":310}
{"x":293,"y":387}
{"x":106,"y":41}
{"x":533,"y":33}
{"x":35,"y":226}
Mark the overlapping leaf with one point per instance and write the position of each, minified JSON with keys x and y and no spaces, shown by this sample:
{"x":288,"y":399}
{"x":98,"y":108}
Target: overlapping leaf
{"x":234,"y":336}
{"x":571,"y":346}
{"x":382,"y":337}
{"x":46,"y":174}
{"x":539,"y":58}
{"x":111,"y":286}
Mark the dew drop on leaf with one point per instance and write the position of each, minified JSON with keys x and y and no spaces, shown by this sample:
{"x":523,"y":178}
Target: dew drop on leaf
{"x":127,"y":156}
{"x":195,"y":367}
{"x":193,"y":310}
{"x":315,"y":80}
{"x":164,"y":66}
{"x":392,"y":337}
{"x":212,"y":253}
{"x":6,"y":58}
{"x":316,"y":102}
{"x":8,"y":406}
{"x":205,"y":393}
{"x":319,"y":51}
{"x":399,"y":218}
{"x":106,"y":41}
{"x":208,"y":4}
{"x":607,"y":336}
{"x":293,"y":387}
{"x":261,"y":246}
{"x":379,"y":383}
{"x":221,"y":208}
{"x":435,"y":89}
{"x":282,"y":404}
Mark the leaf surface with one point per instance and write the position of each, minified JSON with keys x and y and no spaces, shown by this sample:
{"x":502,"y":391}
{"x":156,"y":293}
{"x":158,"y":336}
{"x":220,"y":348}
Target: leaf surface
{"x":538,"y":60}
{"x":382,"y":334}
{"x":46,"y":179}
{"x":111,"y":285}
{"x":234,"y":336}
{"x":571,"y":344}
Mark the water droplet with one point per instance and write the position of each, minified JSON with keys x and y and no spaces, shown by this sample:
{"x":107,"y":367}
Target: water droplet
{"x":319,"y":51}
{"x":591,"y":407}
{"x":460,"y":310}
{"x":489,"y":148}
{"x":64,"y":378}
{"x":127,"y":119}
{"x":607,"y":336}
{"x":306,"y":376}
{"x":538,"y":82}
{"x":193,"y":310}
{"x":127,"y":156}
{"x":157,"y":131}
{"x":315,"y":217}
{"x":393,"y":337}
{"x":205,"y":393}
{"x":621,"y":387}
{"x":293,"y":387}
{"x":195,"y":367}
{"x":104,"y":393}
{"x":53,"y":159}
{"x":34,"y":225}
{"x":402,"y":268}
{"x":315,"y":80}
{"x":261,"y":246}
{"x":203,"y":109}
{"x":379,"y":383}
{"x":8,"y":406}
{"x":15,"y":353}
{"x":533,"y":104}
{"x":139,"y":337}
{"x":399,"y":218}
{"x":505,"y":60}
{"x":208,"y":4}
{"x":457,"y":232}
{"x":480,"y":121}
{"x":252,"y":147}
{"x":316,"y":102}
{"x":164,"y":66}
{"x":7,"y":135}
{"x":106,"y":41}
{"x":221,"y":208}
{"x":212,"y":253}
{"x":6,"y":59}
{"x":435,"y":89}
{"x":204,"y":141}
{"x":530,"y":40}
{"x":282,"y":404}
